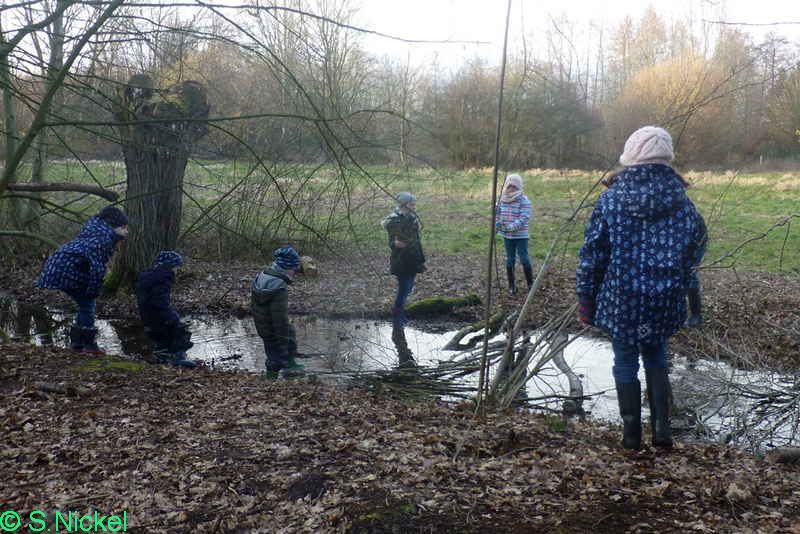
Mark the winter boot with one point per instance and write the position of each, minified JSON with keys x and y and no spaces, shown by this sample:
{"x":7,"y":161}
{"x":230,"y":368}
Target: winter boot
{"x":179,"y":359}
{"x":695,"y":308}
{"x":528,"y":275}
{"x":512,"y":284}
{"x":90,"y":342}
{"x":292,"y":368}
{"x":76,"y":338}
{"x":162,"y":355}
{"x":630,"y":408}
{"x":658,"y":393}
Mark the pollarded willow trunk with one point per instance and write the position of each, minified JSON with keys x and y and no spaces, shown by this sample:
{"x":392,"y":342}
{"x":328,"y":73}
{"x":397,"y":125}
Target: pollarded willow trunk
{"x":158,"y":130}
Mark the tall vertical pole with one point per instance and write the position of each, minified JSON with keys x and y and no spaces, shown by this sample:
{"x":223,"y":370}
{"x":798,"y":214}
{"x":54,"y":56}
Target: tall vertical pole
{"x":483,"y":377}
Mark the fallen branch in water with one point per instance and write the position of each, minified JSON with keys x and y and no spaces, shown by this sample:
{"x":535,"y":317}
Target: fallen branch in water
{"x":494,"y":326}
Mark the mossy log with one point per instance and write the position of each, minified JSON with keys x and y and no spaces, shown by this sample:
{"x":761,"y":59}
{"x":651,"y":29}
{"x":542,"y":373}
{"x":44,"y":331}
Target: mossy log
{"x":440,"y":305}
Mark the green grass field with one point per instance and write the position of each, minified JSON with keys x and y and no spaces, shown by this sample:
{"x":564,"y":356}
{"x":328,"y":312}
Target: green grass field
{"x":454,"y":207}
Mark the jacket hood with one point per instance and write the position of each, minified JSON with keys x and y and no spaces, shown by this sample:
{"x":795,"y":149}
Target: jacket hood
{"x":649,"y":191}
{"x":269,"y":282}
{"x":155,"y":275}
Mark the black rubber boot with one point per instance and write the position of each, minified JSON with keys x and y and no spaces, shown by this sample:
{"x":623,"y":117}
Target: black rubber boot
{"x":695,"y":308}
{"x":76,"y":338}
{"x":658,"y":393}
{"x":528,"y":275}
{"x":90,"y":341}
{"x":630,"y":408}
{"x":512,"y":284}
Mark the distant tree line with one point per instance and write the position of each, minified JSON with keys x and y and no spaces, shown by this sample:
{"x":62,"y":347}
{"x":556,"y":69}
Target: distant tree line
{"x":294,"y":82}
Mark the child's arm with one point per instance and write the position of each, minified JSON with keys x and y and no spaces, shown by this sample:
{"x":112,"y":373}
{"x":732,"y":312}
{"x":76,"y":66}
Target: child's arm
{"x":594,"y":258}
{"x":697,"y":249}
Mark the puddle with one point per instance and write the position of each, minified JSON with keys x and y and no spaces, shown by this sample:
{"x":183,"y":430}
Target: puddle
{"x":716,"y":401}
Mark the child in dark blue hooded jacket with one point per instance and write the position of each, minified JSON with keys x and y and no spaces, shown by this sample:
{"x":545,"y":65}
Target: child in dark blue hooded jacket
{"x":170,"y":336}
{"x":78,"y":267}
{"x":642,"y":245}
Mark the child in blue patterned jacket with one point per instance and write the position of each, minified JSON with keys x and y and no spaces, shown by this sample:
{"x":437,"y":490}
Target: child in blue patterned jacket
{"x":78,"y":267}
{"x":513,"y":217}
{"x":642,"y":245}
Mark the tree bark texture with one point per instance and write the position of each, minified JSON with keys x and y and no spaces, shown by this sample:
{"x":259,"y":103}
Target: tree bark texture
{"x":159,"y":130}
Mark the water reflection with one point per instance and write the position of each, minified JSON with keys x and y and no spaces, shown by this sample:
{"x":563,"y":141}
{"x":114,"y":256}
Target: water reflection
{"x":718,"y":398}
{"x":26,"y":323}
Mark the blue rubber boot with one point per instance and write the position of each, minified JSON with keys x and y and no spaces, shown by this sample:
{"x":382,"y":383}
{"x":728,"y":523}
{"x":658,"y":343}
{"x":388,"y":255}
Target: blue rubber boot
{"x":179,"y":360}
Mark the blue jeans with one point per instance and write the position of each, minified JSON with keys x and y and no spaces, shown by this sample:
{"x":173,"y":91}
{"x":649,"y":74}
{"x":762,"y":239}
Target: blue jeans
{"x":86,"y":312}
{"x":626,"y":359}
{"x":405,"y":283}
{"x":515,"y":247}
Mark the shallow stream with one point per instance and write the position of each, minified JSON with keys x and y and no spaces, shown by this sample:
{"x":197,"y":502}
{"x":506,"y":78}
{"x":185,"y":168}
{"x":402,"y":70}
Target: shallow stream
{"x":715,"y":401}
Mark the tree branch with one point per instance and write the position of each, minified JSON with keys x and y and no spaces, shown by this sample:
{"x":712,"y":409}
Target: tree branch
{"x":107,"y":194}
{"x":29,"y":235}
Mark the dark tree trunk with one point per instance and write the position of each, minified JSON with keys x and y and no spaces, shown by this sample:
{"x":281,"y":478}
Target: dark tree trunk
{"x":156,"y":152}
{"x":154,"y":201}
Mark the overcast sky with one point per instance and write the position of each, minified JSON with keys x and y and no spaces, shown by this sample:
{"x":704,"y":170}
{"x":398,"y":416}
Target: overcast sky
{"x":482,"y":20}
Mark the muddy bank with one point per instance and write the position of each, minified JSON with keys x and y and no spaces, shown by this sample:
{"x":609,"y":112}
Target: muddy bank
{"x":751,"y":318}
{"x":228,"y":452}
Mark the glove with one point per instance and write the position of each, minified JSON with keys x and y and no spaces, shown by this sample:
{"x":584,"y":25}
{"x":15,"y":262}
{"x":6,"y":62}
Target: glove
{"x":586,"y":311}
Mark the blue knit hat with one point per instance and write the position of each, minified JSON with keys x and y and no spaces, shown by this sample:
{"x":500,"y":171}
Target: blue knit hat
{"x":170,"y":258}
{"x":113,"y":216}
{"x":286,"y":258}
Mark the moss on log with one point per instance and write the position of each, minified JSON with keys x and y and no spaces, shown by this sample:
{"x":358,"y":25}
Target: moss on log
{"x":440,"y":305}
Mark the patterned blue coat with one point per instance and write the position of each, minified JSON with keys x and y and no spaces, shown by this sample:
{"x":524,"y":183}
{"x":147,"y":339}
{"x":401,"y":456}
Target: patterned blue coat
{"x":79,"y":266}
{"x":642,"y":243}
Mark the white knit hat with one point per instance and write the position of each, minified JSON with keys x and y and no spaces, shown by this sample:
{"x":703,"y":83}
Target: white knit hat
{"x":649,"y":144}
{"x":515,"y":180}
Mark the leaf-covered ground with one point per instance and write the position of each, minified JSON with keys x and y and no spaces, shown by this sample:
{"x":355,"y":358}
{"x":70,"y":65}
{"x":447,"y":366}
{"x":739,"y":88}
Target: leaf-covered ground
{"x":201,"y":451}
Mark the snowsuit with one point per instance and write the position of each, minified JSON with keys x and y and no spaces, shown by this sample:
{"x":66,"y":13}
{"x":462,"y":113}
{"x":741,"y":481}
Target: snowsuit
{"x":269,"y":303}
{"x":161,"y":320}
